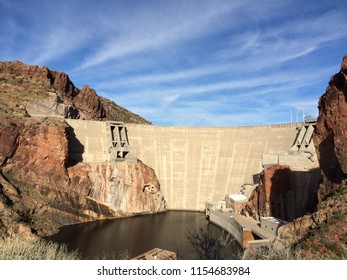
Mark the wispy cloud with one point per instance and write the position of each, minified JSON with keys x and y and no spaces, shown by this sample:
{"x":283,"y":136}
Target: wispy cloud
{"x":152,"y":28}
{"x":216,"y":62}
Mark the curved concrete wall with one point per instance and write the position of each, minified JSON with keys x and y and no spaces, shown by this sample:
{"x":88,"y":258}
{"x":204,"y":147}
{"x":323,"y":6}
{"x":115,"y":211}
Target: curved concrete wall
{"x":199,"y":164}
{"x":193,"y":164}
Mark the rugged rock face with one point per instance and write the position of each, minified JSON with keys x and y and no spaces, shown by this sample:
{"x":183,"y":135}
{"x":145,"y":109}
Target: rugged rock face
{"x":89,"y":104}
{"x":37,"y":90}
{"x":130,"y":188}
{"x":38,"y":192}
{"x":40,"y":189}
{"x":322,"y":234}
{"x":331,"y":134}
{"x":283,"y":193}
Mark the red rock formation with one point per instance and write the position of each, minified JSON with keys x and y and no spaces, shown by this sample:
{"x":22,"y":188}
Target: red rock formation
{"x":62,"y":83}
{"x":38,"y":188}
{"x":38,"y":83}
{"x":8,"y":140}
{"x":322,"y":233}
{"x":42,"y":75}
{"x":89,"y":104}
{"x":284,"y":193}
{"x":267,"y":199}
{"x":330,"y":137}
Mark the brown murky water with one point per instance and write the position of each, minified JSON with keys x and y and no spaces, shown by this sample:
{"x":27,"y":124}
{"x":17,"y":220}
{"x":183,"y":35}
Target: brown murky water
{"x":138,"y":235}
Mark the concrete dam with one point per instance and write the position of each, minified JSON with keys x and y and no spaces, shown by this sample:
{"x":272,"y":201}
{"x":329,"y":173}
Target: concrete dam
{"x":193,"y":164}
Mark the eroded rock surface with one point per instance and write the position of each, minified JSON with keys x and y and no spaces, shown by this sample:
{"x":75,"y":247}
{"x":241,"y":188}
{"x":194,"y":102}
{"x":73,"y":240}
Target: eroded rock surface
{"x":283,"y":193}
{"x":322,"y":234}
{"x":331,"y":134}
{"x":39,"y":192}
{"x":37,"y":90}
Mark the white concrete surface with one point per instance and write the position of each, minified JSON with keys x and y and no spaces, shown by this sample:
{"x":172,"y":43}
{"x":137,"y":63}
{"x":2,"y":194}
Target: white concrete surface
{"x":199,"y":164}
{"x":193,"y":164}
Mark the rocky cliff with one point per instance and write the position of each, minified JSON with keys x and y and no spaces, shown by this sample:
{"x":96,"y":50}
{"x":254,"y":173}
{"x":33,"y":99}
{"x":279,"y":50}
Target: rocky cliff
{"x":40,"y":189}
{"x":323,"y":234}
{"x":315,"y":205}
{"x":283,"y":193}
{"x":37,"y":90}
{"x":331,"y":134}
{"x":39,"y":192}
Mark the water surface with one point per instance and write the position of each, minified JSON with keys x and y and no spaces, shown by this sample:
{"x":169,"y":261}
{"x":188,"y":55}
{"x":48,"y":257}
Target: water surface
{"x":138,"y":234}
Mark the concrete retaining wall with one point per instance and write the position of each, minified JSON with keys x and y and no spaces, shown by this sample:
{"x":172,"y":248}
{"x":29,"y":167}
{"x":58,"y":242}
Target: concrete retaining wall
{"x":230,"y":225}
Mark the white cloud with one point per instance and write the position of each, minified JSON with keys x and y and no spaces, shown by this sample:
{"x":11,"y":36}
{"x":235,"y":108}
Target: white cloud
{"x":150,"y":28}
{"x":180,"y":62}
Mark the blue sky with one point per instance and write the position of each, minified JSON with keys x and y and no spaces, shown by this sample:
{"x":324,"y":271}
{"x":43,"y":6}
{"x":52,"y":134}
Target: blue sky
{"x":201,"y":63}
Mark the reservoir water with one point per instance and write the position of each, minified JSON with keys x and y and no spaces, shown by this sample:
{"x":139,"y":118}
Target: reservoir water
{"x":104,"y":239}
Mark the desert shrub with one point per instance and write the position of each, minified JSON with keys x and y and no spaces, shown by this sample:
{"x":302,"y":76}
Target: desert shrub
{"x":113,"y":255}
{"x":269,"y":252}
{"x":34,"y":249}
{"x":207,"y":244}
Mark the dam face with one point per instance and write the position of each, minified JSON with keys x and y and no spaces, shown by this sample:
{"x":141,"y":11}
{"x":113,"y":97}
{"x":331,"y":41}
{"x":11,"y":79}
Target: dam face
{"x":193,"y":164}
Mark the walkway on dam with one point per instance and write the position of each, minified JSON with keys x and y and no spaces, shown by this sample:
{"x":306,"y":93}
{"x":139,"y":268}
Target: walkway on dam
{"x":248,"y":223}
{"x":252,"y":225}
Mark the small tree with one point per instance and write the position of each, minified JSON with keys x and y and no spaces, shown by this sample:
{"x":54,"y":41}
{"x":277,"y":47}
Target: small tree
{"x":206,"y":244}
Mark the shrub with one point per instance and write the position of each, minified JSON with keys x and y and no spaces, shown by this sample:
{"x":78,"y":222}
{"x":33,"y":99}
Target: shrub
{"x":269,"y":252}
{"x":34,"y":249}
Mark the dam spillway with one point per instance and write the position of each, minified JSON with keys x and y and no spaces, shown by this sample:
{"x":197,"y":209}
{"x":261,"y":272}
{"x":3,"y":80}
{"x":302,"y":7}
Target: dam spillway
{"x":193,"y":164}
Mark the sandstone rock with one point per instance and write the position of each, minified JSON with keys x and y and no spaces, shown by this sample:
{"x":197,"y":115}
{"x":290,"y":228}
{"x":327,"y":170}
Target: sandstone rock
{"x":284,"y":193}
{"x":29,"y":86}
{"x":267,"y":198}
{"x":333,"y":210}
{"x":89,"y":104}
{"x":38,"y":190}
{"x":331,"y":133}
{"x":129,"y":188}
{"x":323,"y":233}
{"x":8,"y":139}
{"x":62,"y":83}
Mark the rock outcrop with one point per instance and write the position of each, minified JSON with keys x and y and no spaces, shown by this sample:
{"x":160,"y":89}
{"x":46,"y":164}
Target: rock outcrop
{"x":322,"y":234}
{"x":40,"y":191}
{"x":37,"y":90}
{"x":331,"y":133}
{"x":283,"y":193}
{"x":40,"y":188}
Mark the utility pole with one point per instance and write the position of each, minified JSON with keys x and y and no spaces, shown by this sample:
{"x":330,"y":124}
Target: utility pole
{"x":291,"y":115}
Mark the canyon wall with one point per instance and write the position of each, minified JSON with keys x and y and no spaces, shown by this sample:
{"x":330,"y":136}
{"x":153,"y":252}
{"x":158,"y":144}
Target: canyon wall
{"x":41,"y":189}
{"x":322,"y":234}
{"x":331,"y":134}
